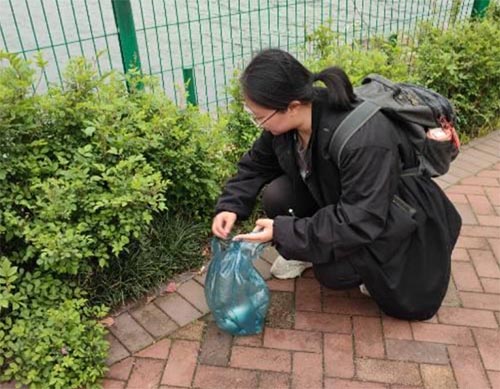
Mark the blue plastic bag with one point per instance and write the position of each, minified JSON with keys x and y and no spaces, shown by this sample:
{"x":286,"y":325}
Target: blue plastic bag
{"x":236,"y":293}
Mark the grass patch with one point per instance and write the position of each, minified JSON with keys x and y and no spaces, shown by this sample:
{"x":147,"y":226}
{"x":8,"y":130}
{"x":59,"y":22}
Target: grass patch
{"x":172,"y":245}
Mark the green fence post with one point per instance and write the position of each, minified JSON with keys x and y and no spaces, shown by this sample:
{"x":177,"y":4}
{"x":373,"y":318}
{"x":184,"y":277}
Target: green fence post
{"x":126,"y":34}
{"x":190,"y":84}
{"x":479,"y":8}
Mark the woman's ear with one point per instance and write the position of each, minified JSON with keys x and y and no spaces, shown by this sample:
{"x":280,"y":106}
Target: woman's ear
{"x":294,"y":105}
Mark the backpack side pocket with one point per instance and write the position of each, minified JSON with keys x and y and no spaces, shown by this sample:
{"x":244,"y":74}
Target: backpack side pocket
{"x":437,"y":156}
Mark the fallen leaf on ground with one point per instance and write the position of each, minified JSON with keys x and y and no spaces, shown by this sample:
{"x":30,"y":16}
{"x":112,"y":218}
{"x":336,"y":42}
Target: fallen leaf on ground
{"x":171,"y":287}
{"x":107,"y":322}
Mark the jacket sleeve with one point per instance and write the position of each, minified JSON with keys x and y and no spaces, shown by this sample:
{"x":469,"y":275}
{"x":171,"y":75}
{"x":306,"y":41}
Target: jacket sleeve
{"x":256,"y":168}
{"x":369,"y":178}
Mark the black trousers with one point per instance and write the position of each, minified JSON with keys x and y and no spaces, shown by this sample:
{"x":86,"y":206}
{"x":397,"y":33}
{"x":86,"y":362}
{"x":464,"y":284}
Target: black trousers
{"x":280,"y":197}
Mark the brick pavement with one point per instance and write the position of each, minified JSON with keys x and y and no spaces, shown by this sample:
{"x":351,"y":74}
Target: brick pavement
{"x":318,"y":338}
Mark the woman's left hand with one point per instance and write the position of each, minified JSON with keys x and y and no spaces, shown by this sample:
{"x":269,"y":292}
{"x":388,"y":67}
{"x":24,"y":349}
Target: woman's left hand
{"x":262,"y":233}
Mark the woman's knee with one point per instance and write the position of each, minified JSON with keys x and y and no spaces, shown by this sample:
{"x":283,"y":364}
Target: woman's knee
{"x":282,"y":197}
{"x":277,"y":197}
{"x":333,"y":276}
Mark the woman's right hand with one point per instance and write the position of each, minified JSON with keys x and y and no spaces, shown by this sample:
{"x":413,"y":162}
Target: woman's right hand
{"x":223,"y":223}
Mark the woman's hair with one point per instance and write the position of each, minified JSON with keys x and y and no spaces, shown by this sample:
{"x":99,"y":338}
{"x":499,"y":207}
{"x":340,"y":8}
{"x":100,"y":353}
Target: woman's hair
{"x":274,"y":78}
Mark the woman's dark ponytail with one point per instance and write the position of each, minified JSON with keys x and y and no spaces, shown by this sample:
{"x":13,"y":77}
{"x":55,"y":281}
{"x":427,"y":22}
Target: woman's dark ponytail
{"x":274,"y":78}
{"x":340,"y":91}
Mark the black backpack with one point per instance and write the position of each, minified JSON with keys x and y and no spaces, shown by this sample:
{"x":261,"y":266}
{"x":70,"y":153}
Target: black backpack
{"x":418,"y":110}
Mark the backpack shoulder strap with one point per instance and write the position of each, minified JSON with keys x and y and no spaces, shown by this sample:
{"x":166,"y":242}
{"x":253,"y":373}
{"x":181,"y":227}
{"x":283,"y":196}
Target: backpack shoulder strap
{"x":349,"y":126}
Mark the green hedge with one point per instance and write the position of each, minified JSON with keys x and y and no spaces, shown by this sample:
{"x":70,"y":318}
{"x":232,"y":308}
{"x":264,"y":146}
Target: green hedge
{"x":385,"y":57}
{"x":49,"y":337}
{"x":463,"y":63}
{"x":86,"y":167}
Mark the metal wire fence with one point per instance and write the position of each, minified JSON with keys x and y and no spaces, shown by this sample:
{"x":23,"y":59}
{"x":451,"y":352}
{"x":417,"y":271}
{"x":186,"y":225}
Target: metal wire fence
{"x":199,"y":41}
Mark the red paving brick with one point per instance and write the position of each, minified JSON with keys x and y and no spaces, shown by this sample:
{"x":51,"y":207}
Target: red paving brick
{"x":281,"y":285}
{"x":338,"y":383}
{"x":252,"y":340}
{"x":480,"y":181}
{"x":350,"y":306}
{"x":458,"y":198}
{"x":465,"y":276}
{"x":437,"y":376}
{"x":292,"y":340}
{"x":493,"y":195}
{"x":494,"y":377}
{"x":308,"y":295}
{"x":460,"y":254}
{"x":130,"y":333}
{"x":338,"y":339}
{"x":467,"y":214}
{"x":338,"y":355}
{"x":178,"y":309}
{"x":116,"y":350}
{"x":488,"y":342}
{"x":216,"y":346}
{"x":154,"y":320}
{"x":213,"y":377}
{"x":495,"y":247}
{"x":481,"y":205}
{"x":414,"y":351}
{"x":368,"y":339}
{"x":485,"y":263}
{"x":181,"y":363}
{"x":108,"y":384}
{"x":480,"y":301}
{"x":480,"y":231}
{"x":489,"y":173}
{"x":467,"y":366}
{"x":491,"y":285}
{"x":442,"y":333}
{"x":390,"y":372}
{"x":325,"y":322}
{"x":121,"y":370}
{"x":472,"y":242}
{"x":396,"y":329}
{"x":146,"y":373}
{"x":193,"y":331}
{"x":261,"y":359}
{"x":157,"y":350}
{"x":195,"y":294}
{"x":274,"y":380}
{"x":307,"y":372}
{"x":467,"y":317}
{"x":465,"y":189}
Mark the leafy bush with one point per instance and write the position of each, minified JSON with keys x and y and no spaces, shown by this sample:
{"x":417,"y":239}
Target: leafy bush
{"x":240,"y":130}
{"x":49,"y":337}
{"x":71,"y":192}
{"x":85,"y":169}
{"x":385,"y":57}
{"x":463,"y":64}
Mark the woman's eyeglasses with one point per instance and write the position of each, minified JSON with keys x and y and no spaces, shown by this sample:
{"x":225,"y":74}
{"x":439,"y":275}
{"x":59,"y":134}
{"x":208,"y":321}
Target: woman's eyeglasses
{"x":258,"y":123}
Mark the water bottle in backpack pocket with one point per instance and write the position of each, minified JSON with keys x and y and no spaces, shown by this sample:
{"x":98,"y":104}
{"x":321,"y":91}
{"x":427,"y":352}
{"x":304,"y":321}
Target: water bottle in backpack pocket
{"x":438,"y":151}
